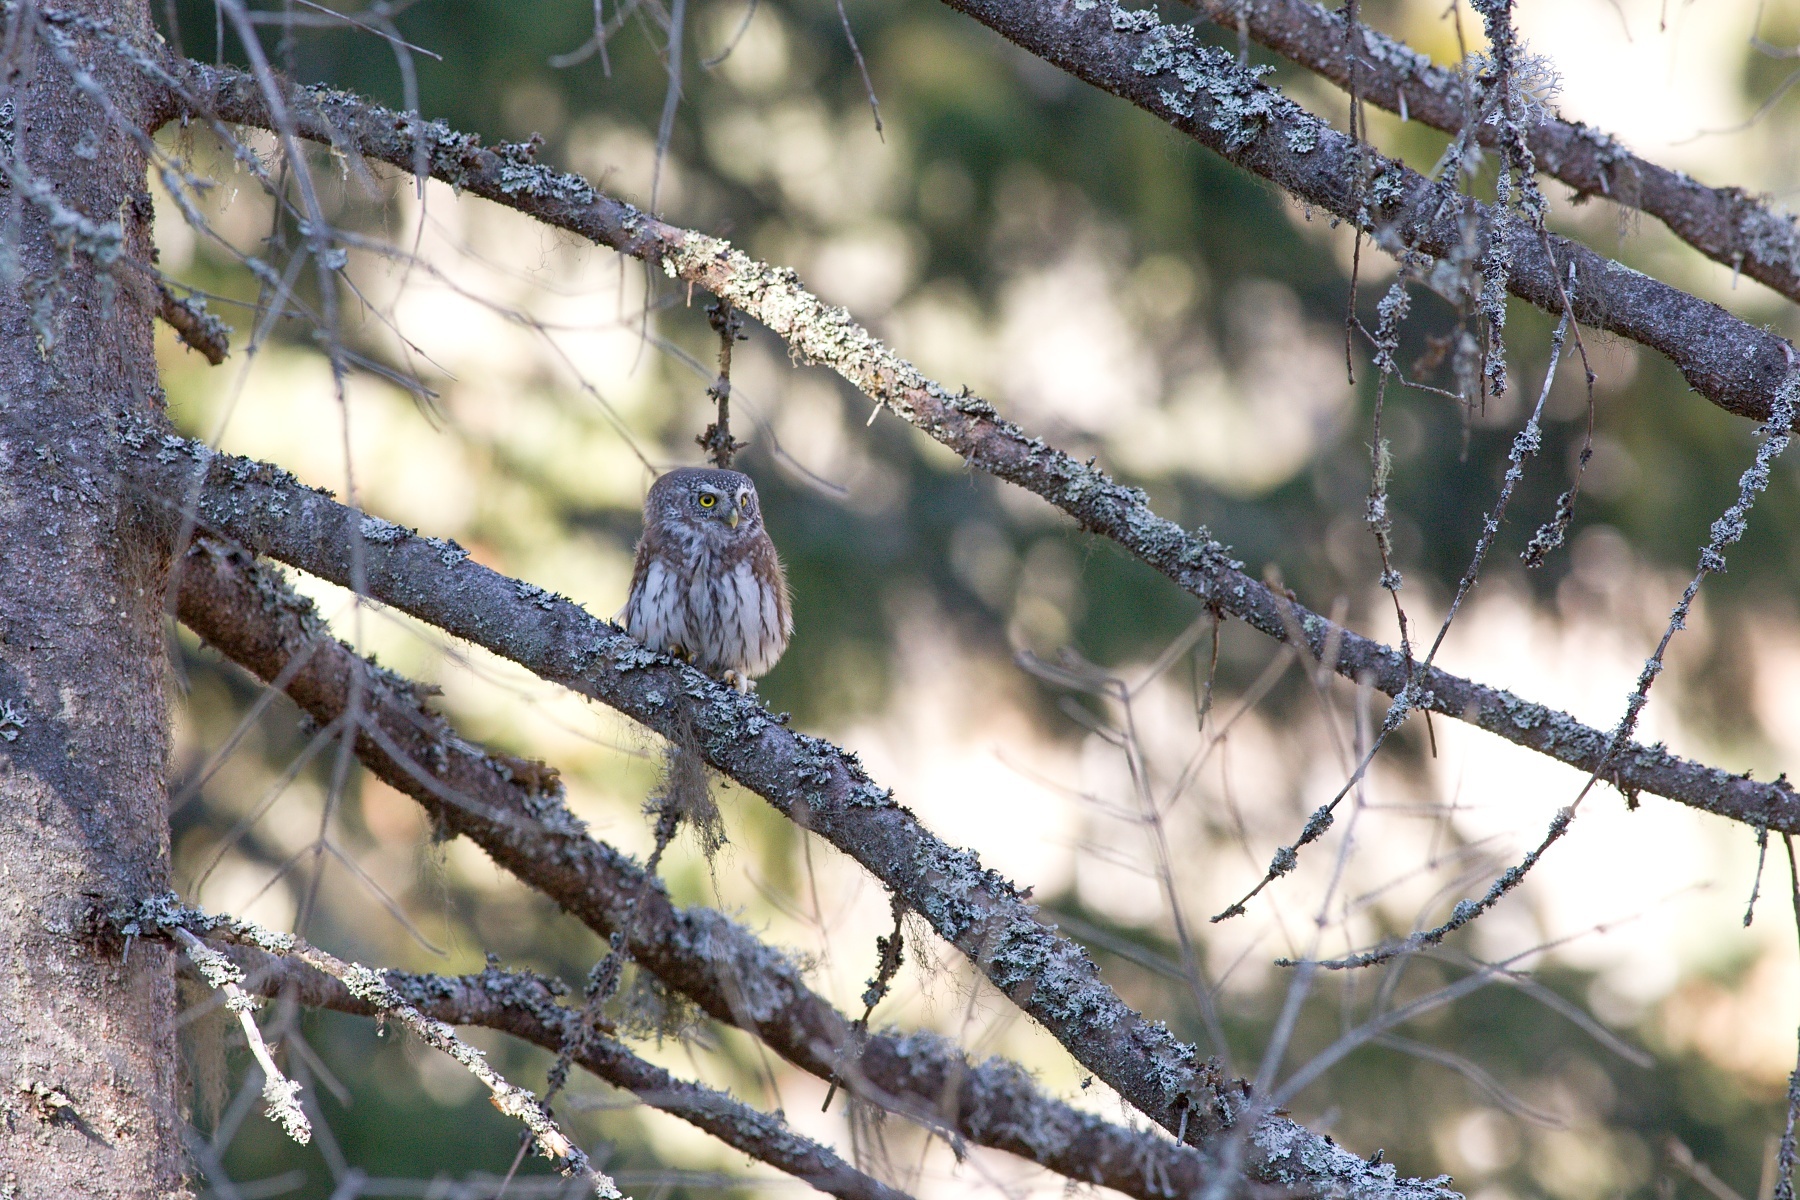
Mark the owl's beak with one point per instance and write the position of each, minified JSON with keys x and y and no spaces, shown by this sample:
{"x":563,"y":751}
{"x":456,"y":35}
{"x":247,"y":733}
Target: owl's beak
{"x":731,"y":518}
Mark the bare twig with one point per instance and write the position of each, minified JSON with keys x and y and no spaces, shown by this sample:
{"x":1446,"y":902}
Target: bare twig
{"x":1762,"y":858}
{"x":1683,"y":1159}
{"x":862,"y":68}
{"x":665,"y":127}
{"x":197,"y":328}
{"x":1785,"y":1156}
{"x":716,"y":441}
{"x":890,"y":951}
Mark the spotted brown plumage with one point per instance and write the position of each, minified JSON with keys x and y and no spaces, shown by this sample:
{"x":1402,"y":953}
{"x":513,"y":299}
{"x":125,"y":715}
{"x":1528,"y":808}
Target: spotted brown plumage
{"x":707,"y":584}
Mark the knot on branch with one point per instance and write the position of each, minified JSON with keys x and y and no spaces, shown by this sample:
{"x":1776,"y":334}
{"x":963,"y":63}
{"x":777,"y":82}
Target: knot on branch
{"x":197,"y":328}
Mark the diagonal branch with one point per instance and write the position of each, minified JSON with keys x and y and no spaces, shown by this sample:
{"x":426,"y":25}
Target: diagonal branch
{"x":1726,"y":224}
{"x":1163,"y":69}
{"x":513,"y":810}
{"x":1203,"y":92}
{"x":829,"y":337}
{"x":806,"y":779}
{"x":526,"y":1007}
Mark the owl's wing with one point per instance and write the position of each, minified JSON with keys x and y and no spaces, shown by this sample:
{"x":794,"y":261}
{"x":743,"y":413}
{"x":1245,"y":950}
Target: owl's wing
{"x":640,"y":565}
{"x":766,"y":564}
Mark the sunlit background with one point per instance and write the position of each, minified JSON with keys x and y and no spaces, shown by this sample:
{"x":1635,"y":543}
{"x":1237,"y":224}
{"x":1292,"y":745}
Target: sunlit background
{"x":1124,"y":294}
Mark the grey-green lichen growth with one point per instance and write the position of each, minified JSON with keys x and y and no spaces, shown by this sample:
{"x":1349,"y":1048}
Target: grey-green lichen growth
{"x":1240,"y":106}
{"x":383,"y":533}
{"x":12,"y":721}
{"x":158,"y":915}
{"x":1296,"y":1157}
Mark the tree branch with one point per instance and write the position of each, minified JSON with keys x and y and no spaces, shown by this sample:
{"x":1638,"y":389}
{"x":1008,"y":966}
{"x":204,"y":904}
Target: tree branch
{"x":1727,"y":224}
{"x":806,"y":779}
{"x":526,"y":1007}
{"x":970,"y":426}
{"x":1203,"y":92}
{"x":164,"y":916}
{"x":513,"y":810}
{"x":197,"y":328}
{"x":1164,"y":70}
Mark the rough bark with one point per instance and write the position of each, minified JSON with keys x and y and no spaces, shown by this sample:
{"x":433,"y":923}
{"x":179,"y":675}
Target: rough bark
{"x":88,"y":1100}
{"x":1163,"y":69}
{"x":1203,"y":92}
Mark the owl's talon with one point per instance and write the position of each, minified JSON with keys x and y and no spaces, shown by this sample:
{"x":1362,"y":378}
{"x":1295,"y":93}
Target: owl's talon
{"x":681,"y":654}
{"x":742,"y":683}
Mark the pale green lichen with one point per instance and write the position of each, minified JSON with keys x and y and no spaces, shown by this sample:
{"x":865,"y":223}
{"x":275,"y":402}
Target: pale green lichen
{"x":1296,"y":1157}
{"x":380,"y":532}
{"x":535,"y":595}
{"x":1239,"y":107}
{"x":12,"y":721}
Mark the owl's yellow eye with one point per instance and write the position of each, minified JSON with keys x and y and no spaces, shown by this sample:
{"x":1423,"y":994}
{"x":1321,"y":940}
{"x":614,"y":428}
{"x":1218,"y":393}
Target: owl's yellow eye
{"x":707,"y":500}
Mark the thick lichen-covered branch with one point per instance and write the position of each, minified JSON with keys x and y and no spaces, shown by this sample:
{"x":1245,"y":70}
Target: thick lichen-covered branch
{"x":829,"y":337}
{"x":1726,"y":224}
{"x":807,"y":779}
{"x":527,"y":1006}
{"x":513,"y":809}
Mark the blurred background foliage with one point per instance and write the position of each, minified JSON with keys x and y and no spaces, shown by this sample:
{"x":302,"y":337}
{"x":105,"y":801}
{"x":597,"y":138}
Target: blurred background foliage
{"x":1123,"y":294}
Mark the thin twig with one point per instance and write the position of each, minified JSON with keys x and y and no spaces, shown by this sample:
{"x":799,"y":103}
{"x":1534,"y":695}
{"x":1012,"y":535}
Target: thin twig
{"x":197,"y":328}
{"x":717,"y":441}
{"x":279,"y":1092}
{"x":166,"y":915}
{"x":890,"y":951}
{"x":1762,"y":858}
{"x":861,"y":67}
{"x":1785,"y":1156}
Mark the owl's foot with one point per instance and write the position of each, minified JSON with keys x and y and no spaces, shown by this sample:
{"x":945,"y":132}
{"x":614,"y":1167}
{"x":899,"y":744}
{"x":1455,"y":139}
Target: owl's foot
{"x":741,"y":682}
{"x":681,"y":653}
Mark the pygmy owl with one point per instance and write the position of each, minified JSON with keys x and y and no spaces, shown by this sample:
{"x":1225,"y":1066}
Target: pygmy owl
{"x":707,"y":585}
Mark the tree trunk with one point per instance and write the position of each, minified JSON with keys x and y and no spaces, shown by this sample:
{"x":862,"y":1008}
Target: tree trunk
{"x":88,"y":1100}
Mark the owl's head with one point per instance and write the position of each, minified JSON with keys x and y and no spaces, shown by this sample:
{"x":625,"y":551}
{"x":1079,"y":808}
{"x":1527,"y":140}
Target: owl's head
{"x":718,"y":505}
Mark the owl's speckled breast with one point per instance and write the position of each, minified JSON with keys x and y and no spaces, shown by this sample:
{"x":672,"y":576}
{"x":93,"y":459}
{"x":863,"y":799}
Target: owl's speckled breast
{"x":709,"y":603}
